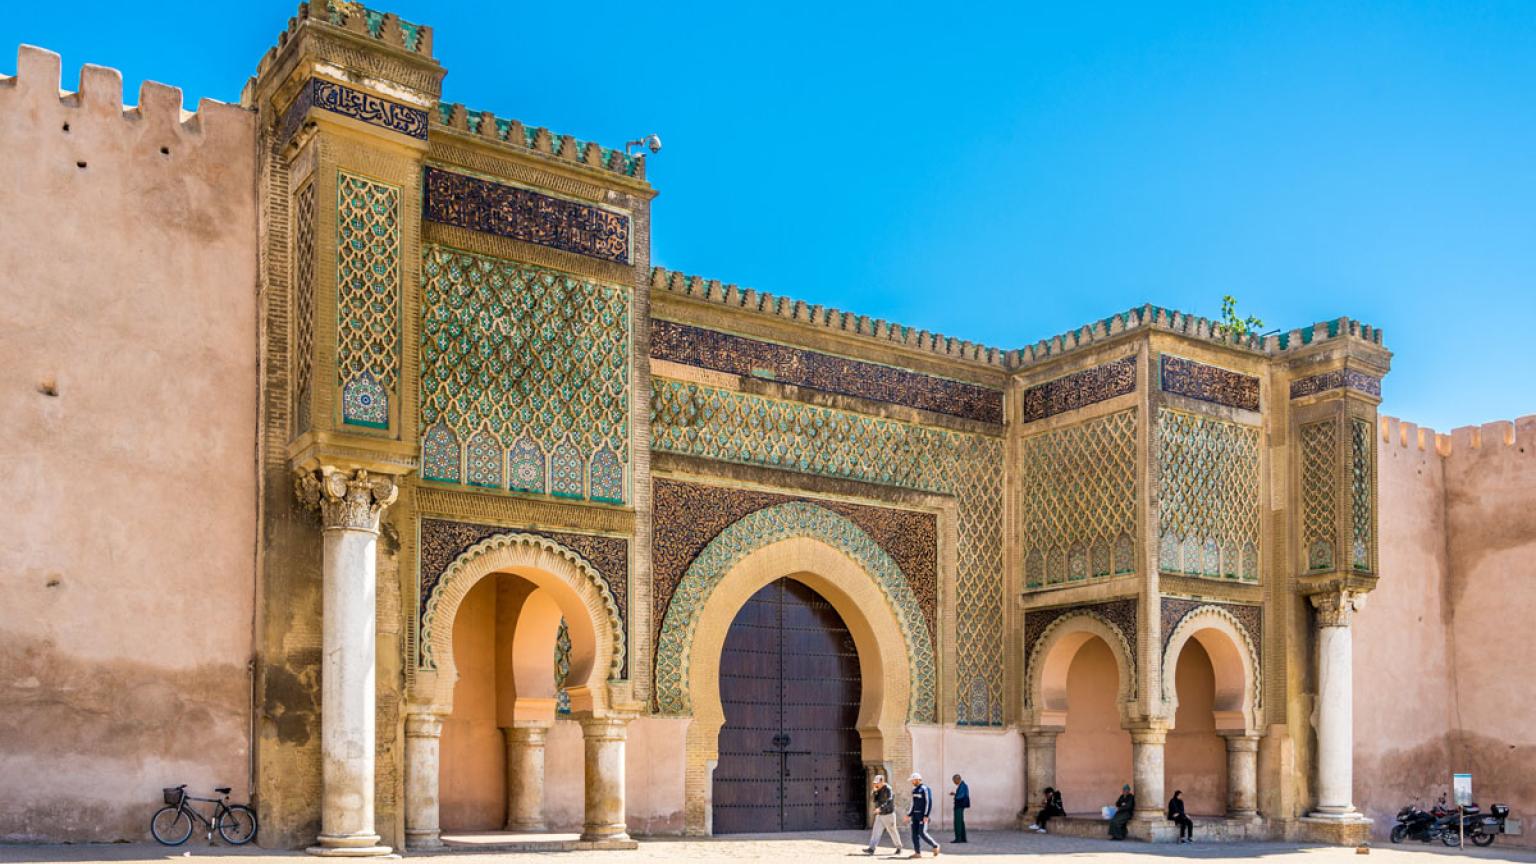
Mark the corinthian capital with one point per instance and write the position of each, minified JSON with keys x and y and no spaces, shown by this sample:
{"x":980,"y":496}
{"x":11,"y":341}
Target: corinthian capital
{"x":1334,"y":608}
{"x":346,"y":499}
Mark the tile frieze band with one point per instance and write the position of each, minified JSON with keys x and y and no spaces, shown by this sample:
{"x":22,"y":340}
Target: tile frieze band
{"x":1346,"y":379}
{"x":1080,"y":389}
{"x":1208,"y":383}
{"x":480,"y":205}
{"x":739,"y":355}
{"x":340,"y":99}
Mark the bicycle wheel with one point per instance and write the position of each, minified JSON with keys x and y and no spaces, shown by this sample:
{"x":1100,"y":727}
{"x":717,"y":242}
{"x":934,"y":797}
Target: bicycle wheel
{"x":171,"y":826}
{"x":237,"y":825}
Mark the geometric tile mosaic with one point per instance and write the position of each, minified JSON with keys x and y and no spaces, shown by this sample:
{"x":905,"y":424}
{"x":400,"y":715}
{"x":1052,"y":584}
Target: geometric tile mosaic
{"x":718,"y":424}
{"x":1078,"y":501}
{"x":1362,"y":498}
{"x":1207,"y":497}
{"x":367,"y":298}
{"x":1319,"y":458}
{"x":524,"y":377}
{"x":303,"y":305}
{"x":759,"y":529}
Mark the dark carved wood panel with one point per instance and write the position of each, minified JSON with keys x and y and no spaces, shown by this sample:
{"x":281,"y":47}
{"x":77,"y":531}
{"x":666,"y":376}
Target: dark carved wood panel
{"x":789,"y":750}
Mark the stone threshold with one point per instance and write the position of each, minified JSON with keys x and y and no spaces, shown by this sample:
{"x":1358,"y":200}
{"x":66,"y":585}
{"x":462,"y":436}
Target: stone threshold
{"x":1208,"y":829}
{"x":501,"y":842}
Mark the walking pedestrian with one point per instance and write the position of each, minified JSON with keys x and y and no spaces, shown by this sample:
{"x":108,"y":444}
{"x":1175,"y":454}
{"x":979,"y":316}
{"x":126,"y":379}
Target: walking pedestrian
{"x":962,"y":796}
{"x":885,"y":816}
{"x":922,"y":808}
{"x":1049,"y":809}
{"x":1177,"y":817}
{"x":1125,"y":806}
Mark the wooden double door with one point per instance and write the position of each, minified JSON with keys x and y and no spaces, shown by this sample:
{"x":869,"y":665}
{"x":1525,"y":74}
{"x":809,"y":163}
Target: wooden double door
{"x":789,"y":749}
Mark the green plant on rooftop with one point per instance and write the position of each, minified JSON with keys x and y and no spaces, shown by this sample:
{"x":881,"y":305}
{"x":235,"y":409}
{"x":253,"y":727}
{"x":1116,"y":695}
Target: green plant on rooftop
{"x":1232,"y":325}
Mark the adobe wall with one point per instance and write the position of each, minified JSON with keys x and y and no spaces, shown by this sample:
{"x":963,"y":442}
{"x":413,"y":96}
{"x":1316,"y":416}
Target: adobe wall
{"x":1458,"y":560}
{"x":127,"y":449}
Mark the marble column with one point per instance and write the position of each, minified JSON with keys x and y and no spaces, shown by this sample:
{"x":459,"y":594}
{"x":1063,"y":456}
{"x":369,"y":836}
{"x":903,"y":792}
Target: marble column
{"x":525,"y":777}
{"x":1242,"y":776}
{"x":423,"y":734}
{"x":350,"y":503}
{"x":1039,"y":767}
{"x":1147,"y":770}
{"x":1335,"y":703}
{"x":604,"y":740}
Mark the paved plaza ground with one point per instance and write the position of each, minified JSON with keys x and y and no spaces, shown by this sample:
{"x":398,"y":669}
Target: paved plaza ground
{"x":995,"y":847}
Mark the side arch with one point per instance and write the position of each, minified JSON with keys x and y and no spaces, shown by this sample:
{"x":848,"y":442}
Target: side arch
{"x":751,"y":534}
{"x":588,"y":606}
{"x":1048,"y":663}
{"x":1234,"y":659}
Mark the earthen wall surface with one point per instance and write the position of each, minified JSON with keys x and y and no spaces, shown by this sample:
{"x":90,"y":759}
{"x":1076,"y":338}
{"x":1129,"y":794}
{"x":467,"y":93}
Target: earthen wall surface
{"x":127,"y":451}
{"x":1458,"y":563}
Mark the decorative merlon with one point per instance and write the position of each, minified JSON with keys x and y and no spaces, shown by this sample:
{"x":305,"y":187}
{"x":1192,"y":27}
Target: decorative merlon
{"x":540,"y":140}
{"x":37,"y":83}
{"x":386,"y":27}
{"x":1509,"y":433}
{"x":712,"y":290}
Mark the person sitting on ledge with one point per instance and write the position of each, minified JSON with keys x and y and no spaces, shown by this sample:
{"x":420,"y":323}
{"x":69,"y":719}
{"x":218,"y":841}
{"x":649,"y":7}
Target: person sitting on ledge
{"x":1177,"y":817}
{"x":1125,"y":805}
{"x":1051,"y":808}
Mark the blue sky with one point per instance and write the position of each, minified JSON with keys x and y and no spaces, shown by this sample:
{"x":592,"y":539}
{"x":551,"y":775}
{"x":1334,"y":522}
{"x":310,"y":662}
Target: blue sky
{"x":1003,"y":173}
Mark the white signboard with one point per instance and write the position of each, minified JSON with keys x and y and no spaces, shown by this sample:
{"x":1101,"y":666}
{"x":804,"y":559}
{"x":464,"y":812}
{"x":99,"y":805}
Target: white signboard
{"x":1461,"y":789}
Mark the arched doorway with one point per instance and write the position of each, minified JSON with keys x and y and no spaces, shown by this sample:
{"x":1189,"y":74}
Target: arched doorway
{"x":514,"y":590}
{"x":1195,"y":757}
{"x":789,"y":751}
{"x":1093,"y":753}
{"x":504,"y":702}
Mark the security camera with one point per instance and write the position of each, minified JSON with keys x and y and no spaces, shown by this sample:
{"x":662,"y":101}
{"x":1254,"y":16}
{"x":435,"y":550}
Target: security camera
{"x":650,"y":142}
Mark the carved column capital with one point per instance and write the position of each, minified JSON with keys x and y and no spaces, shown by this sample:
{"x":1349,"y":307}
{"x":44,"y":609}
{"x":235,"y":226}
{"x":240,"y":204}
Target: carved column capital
{"x":422,"y":724}
{"x":1336,"y":608}
{"x":347,"y":500}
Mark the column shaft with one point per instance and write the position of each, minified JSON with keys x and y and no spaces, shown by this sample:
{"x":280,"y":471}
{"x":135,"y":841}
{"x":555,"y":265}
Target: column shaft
{"x":1147,"y":765}
{"x":1242,"y":776}
{"x":525,"y":777}
{"x":604,"y":741}
{"x":423,"y":736}
{"x":1335,"y":720}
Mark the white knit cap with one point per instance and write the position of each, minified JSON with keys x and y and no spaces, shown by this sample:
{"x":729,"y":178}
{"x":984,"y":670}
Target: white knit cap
{"x":915,"y":776}
{"x":879,"y":778}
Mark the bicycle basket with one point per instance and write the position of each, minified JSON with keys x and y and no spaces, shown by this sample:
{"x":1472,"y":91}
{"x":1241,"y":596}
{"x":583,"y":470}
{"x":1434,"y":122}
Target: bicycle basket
{"x":173,"y":796}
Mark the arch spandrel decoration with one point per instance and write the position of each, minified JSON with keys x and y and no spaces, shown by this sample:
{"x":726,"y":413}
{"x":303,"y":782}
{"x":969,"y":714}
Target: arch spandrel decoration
{"x":1234,"y":659}
{"x":753,"y":532}
{"x":510,"y":552}
{"x":1045,"y":673}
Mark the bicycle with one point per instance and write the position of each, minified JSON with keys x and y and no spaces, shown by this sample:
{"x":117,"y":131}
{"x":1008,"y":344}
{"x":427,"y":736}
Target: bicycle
{"x":172,"y":824}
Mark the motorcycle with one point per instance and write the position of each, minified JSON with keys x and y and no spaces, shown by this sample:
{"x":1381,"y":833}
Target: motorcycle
{"x":1426,"y":826}
{"x":1482,"y":828}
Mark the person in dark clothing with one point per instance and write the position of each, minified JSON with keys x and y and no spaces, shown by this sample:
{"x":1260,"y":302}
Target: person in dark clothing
{"x":1177,"y":817}
{"x":962,"y":796}
{"x":885,"y":817}
{"x":921,"y":810}
{"x":1049,"y":809}
{"x":1125,"y":806}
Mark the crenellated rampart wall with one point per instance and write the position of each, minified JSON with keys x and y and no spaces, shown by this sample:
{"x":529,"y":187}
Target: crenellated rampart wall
{"x":127,"y":449}
{"x":1443,"y":642}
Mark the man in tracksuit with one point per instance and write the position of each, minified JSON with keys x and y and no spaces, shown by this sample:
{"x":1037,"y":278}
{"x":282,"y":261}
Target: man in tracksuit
{"x":885,"y":817}
{"x":922,"y":808}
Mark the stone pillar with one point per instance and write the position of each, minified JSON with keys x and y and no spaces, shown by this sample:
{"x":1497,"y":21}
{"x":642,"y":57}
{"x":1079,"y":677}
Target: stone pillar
{"x":1242,"y":776}
{"x":525,"y":777}
{"x":350,"y":504}
{"x":1147,"y":767}
{"x":604,"y":740}
{"x":1039,"y":767}
{"x":423,"y":733}
{"x":1335,"y":704}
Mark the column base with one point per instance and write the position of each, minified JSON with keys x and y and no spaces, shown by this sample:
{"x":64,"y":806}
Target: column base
{"x":423,"y":840}
{"x":605,"y":832}
{"x":1342,"y":829}
{"x":349,"y":846}
{"x":526,"y":827}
